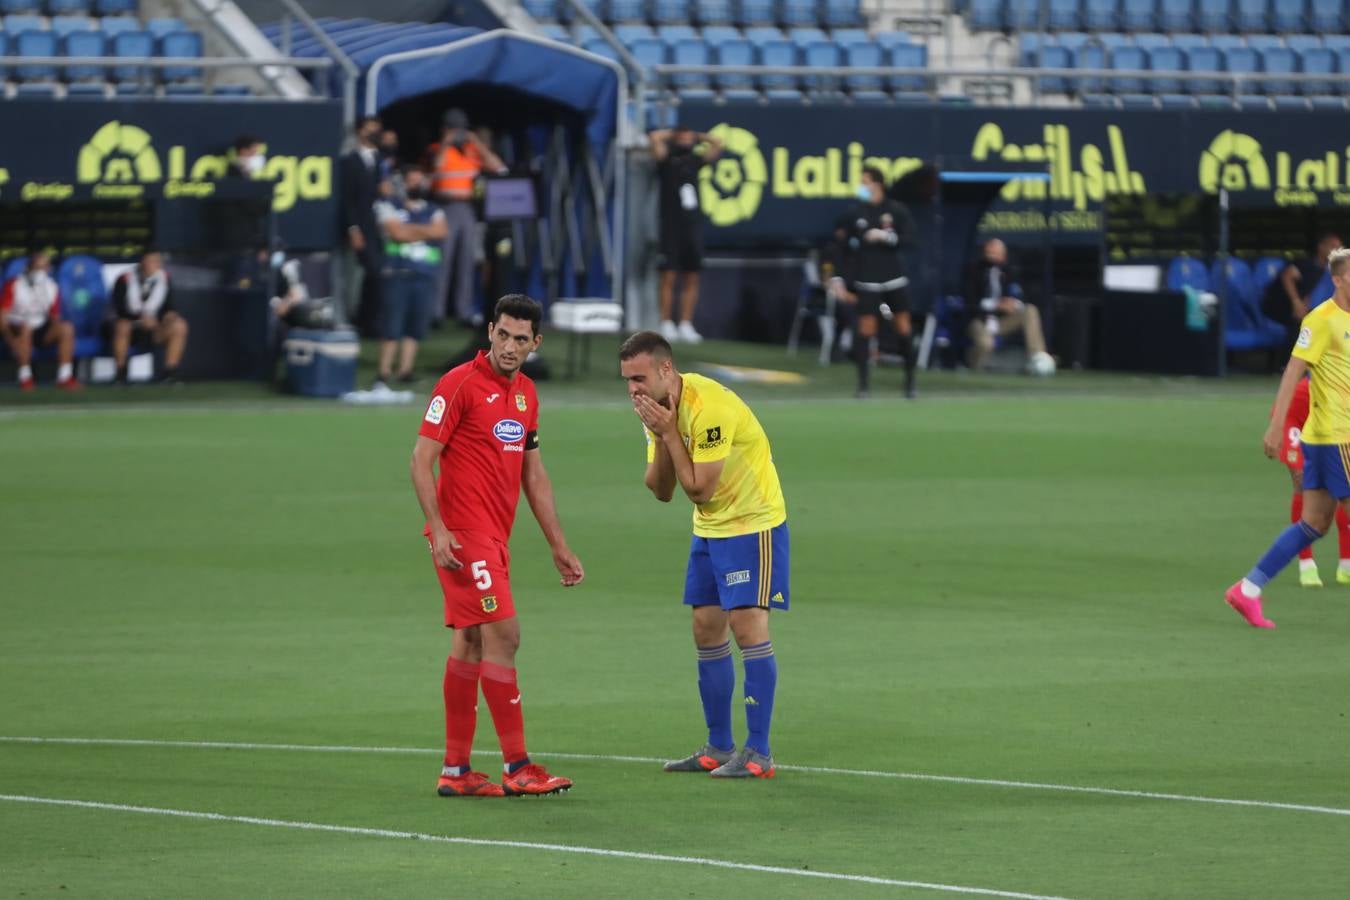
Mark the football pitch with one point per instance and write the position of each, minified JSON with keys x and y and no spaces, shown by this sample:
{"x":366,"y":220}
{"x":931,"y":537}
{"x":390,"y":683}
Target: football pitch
{"x":1008,"y":669}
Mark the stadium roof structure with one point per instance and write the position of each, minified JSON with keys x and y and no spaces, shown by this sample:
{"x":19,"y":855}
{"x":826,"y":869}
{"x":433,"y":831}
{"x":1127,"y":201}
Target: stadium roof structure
{"x":401,"y":61}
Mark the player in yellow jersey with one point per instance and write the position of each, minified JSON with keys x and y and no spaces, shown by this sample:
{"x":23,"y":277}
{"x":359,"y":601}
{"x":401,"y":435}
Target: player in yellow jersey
{"x":1323,"y":346}
{"x":704,"y":439}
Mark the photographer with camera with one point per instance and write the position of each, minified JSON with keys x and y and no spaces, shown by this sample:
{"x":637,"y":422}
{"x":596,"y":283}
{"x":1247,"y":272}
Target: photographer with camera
{"x":458,"y":160}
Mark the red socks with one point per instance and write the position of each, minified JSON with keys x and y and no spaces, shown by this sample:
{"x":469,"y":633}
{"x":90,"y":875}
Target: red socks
{"x":461,"y":710}
{"x":503,"y":699}
{"x":1295,"y":514}
{"x":1343,"y":531}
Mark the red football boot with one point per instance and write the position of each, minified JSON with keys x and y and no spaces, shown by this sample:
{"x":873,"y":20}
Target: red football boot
{"x":470,"y":784}
{"x":532,"y":780}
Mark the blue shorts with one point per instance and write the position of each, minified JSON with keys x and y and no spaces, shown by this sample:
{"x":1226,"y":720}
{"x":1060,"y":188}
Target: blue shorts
{"x":741,"y":571}
{"x":406,"y":305}
{"x":1326,"y":467}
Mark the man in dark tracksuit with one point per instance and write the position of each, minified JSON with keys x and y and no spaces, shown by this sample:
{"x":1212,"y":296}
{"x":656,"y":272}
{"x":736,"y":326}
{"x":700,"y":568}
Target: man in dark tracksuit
{"x":879,"y":228}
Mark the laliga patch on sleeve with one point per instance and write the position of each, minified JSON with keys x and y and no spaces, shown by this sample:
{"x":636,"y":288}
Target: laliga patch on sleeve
{"x":436,"y":411}
{"x":1305,"y":338}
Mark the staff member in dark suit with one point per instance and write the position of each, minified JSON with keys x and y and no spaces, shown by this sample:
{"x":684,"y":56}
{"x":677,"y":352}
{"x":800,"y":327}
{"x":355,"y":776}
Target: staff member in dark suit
{"x":996,"y":308}
{"x":359,"y":261}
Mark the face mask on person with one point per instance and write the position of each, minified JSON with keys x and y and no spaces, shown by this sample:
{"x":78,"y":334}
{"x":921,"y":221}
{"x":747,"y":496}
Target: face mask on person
{"x":864,"y":193}
{"x":254,"y":164}
{"x":418,"y":193}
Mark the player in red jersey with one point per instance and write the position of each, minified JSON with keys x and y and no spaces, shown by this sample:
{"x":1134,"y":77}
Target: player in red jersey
{"x":482,"y":426}
{"x":1291,"y":454}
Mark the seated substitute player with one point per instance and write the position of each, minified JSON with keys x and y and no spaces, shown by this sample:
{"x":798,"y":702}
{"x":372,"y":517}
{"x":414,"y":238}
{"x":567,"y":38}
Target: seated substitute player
{"x":30,"y":316}
{"x":704,"y":438}
{"x":1323,"y":347}
{"x":1291,"y":454}
{"x":482,"y":426}
{"x":144,"y":315}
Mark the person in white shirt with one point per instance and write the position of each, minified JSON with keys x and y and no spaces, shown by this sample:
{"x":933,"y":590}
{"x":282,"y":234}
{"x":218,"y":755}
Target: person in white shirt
{"x":144,"y":315}
{"x":30,"y":316}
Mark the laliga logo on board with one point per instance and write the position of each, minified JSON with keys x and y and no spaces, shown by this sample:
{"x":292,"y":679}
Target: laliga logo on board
{"x":1237,"y":162}
{"x":119,"y":158}
{"x":731,"y":187}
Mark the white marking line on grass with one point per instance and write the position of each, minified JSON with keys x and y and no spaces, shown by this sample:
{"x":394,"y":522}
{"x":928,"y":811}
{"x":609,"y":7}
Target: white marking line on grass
{"x":520,"y":845}
{"x":591,"y":757}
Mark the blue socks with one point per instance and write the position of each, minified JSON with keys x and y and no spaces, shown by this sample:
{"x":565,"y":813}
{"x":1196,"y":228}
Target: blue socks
{"x":761,"y":680}
{"x":1292,"y":540}
{"x":716,"y":684}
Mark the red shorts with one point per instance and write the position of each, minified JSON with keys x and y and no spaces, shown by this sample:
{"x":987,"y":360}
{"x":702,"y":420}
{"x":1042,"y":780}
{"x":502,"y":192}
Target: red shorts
{"x":1291,"y":449}
{"x":480,"y":591}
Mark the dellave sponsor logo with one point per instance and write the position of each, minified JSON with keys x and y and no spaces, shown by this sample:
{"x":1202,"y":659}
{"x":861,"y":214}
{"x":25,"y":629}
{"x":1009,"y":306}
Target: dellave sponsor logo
{"x":508,"y":431}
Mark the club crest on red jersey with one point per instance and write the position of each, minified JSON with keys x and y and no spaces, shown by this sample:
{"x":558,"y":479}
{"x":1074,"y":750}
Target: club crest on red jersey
{"x":489,"y":604}
{"x":520,"y":402}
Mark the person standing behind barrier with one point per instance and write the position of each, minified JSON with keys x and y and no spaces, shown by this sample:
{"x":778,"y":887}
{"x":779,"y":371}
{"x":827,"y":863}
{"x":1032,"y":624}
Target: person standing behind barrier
{"x":994,"y":300}
{"x":879,"y":228}
{"x":459,"y":159}
{"x":677,"y":163}
{"x":1287,"y":299}
{"x":359,"y":172}
{"x":411,"y":227}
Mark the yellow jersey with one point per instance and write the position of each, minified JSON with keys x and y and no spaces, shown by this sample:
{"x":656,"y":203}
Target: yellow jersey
{"x":1324,"y":344}
{"x":715,"y":424}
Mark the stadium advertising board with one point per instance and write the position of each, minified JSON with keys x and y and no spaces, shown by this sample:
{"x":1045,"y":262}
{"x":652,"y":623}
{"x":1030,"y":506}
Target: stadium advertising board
{"x":786,"y":173}
{"x":138,"y":150}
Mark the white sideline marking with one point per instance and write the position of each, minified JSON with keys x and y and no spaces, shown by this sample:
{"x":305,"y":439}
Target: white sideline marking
{"x":592,"y":757}
{"x":521,"y":845}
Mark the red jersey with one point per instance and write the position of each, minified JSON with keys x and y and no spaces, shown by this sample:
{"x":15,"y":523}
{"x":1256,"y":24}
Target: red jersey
{"x":486,"y":424}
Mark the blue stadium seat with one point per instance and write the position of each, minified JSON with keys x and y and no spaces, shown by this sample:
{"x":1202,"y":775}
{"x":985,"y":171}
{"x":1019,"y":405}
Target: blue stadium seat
{"x":1264,"y":271}
{"x":1302,"y":42}
{"x":1129,"y":58}
{"x":1289,"y":15}
{"x":111,"y":25}
{"x":181,"y":45}
{"x":35,"y":43}
{"x":601,"y":47}
{"x":1054,"y":57}
{"x":985,"y":15}
{"x":649,"y":52}
{"x":1138,"y":101}
{"x":624,"y":10}
{"x":4,"y":51}
{"x":1213,"y":15}
{"x":1029,"y":47}
{"x":1072,"y":40}
{"x":803,"y":36}
{"x":737,"y":52}
{"x":70,"y":7}
{"x":757,"y":12}
{"x":714,"y":12}
{"x":845,"y":36}
{"x":1176,"y":15}
{"x":1252,"y":15}
{"x":1260,"y":42}
{"x":163,"y":26}
{"x":1336,"y":41}
{"x":822,"y":55}
{"x":1326,"y":16}
{"x":583,"y":33}
{"x":1187,"y":271}
{"x":799,"y":13}
{"x":1327,"y":103}
{"x":690,"y":52}
{"x":1166,"y":59}
{"x":1099,"y":101}
{"x":84,"y":301}
{"x":1152,"y":41}
{"x":1026,"y":15}
{"x":671,"y":12}
{"x":779,"y":53}
{"x":716,"y":34}
{"x":556,"y":32}
{"x":888,"y":39}
{"x":1279,"y":60}
{"x":64,"y":25}
{"x":1188,"y":42}
{"x":10,"y":7}
{"x":87,"y":89}
{"x":1318,"y":61}
{"x":18,"y":24}
{"x":85,"y":43}
{"x":1101,"y":15}
{"x":844,"y":14}
{"x":115,"y":7}
{"x":1176,"y":101}
{"x":1244,"y":59}
{"x":1112,"y":41}
{"x":864,"y":55}
{"x":1290,"y":103}
{"x":760,"y":34}
{"x":1139,"y":15}
{"x":542,"y":10}
{"x":132,"y":43}
{"x":630,"y":32}
{"x":1089,"y":56}
{"x":909,"y":56}
{"x":1063,"y":14}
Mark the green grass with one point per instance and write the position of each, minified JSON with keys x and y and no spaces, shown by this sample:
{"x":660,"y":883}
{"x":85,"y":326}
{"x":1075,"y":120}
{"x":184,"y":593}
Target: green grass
{"x":1010,"y":579}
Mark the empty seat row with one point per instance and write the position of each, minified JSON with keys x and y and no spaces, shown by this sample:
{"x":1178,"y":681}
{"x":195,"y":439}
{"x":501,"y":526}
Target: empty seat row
{"x":130,"y":44}
{"x":716,"y":34}
{"x":65,"y":24}
{"x":1031,"y":42}
{"x":827,"y":13}
{"x":1274,"y":61}
{"x":71,"y":7}
{"x":1160,"y":15}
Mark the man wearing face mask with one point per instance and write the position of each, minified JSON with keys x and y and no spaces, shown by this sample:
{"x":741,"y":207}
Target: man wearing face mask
{"x":30,"y":316}
{"x":359,"y":172}
{"x":248,"y":159}
{"x":459,"y":159}
{"x":879,"y":228}
{"x":413,"y":229}
{"x":678,"y":160}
